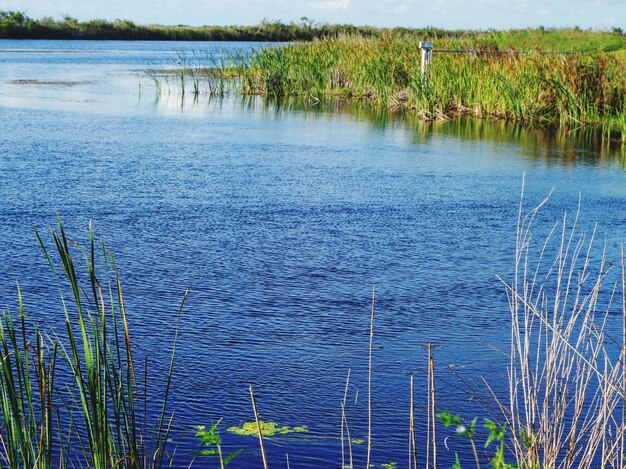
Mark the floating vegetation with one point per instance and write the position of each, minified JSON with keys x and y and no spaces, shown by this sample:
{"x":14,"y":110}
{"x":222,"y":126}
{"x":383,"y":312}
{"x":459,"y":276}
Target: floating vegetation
{"x":67,"y":83}
{"x":389,"y":465}
{"x":267,"y":429}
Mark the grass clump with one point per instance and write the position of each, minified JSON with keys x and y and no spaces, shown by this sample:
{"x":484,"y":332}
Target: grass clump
{"x":27,"y":380}
{"x":74,"y":398}
{"x":573,"y":89}
{"x":566,"y":374}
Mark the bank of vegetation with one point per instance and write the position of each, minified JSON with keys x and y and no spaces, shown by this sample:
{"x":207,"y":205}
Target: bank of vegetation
{"x":566,"y":89}
{"x":17,"y":25}
{"x":568,"y":78}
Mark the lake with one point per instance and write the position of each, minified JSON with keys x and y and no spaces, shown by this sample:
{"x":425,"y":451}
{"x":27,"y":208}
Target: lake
{"x":280,"y":221}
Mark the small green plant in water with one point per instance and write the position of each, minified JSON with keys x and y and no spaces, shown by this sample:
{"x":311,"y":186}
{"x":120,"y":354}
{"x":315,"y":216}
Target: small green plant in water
{"x":267,"y":429}
{"x":211,"y":445}
{"x":389,"y":465}
{"x":496,"y":434}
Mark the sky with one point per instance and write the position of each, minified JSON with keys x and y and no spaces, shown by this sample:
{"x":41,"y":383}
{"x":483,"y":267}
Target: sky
{"x":448,"y":14}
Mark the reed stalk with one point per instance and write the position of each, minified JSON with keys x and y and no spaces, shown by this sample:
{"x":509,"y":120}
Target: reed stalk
{"x":258,"y":426}
{"x":432,"y":403}
{"x":91,"y":415}
{"x":412,"y":442}
{"x":344,"y":424}
{"x":369,"y":382}
{"x":565,"y":384}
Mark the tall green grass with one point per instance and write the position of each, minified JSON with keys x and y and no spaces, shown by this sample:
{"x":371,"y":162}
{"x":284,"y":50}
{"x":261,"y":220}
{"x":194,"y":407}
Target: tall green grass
{"x":27,"y":379}
{"x":93,"y":416}
{"x":384,"y":72}
{"x":573,"y":89}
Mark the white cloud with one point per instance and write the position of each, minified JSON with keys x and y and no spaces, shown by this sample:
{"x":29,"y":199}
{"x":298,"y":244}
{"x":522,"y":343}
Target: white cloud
{"x":388,"y":7}
{"x":330,"y":5}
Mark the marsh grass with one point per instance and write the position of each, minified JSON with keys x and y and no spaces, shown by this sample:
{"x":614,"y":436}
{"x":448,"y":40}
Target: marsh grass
{"x":29,"y":419}
{"x":200,"y":73}
{"x":93,"y":417}
{"x":386,"y":72}
{"x":566,"y":375}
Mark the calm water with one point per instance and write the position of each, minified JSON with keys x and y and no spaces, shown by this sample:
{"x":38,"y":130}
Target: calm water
{"x":280,"y":221}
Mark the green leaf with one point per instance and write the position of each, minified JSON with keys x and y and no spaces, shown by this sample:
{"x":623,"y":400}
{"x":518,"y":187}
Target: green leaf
{"x":232,"y":456}
{"x":448,"y":420}
{"x":457,"y":462}
{"x":208,"y":452}
{"x":389,"y":465}
{"x":496,"y":432}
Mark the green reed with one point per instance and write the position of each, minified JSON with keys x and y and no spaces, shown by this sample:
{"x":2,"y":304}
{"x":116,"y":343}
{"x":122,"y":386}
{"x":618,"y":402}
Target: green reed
{"x":385,"y":71}
{"x":27,"y":377}
{"x":93,"y":416}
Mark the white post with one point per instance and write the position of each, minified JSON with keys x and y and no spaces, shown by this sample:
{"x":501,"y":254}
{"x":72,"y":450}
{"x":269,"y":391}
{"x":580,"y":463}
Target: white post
{"x":427,"y":56}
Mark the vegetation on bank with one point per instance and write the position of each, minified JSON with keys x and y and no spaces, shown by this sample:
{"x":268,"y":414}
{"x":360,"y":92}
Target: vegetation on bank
{"x":568,"y":89}
{"x":572,"y":89}
{"x":17,"y":25}
{"x":382,"y":67}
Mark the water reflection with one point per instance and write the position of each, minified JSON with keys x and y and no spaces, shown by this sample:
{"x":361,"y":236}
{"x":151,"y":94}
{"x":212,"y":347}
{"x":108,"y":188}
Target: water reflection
{"x":549,"y":145}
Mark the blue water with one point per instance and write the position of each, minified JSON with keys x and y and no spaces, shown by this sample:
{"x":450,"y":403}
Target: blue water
{"x":280,"y":222}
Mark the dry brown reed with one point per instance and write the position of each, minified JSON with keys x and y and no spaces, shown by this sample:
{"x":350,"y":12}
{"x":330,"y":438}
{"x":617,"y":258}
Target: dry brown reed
{"x":566,"y":383}
{"x":258,"y":426}
{"x":369,"y":382}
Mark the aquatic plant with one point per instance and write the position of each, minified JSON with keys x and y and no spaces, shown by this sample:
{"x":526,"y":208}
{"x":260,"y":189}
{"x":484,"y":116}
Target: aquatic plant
{"x":268,"y":429}
{"x":75,"y":398}
{"x":211,"y":445}
{"x":566,"y":377}
{"x":385,"y":71}
{"x":467,"y":431}
{"x":27,"y":380}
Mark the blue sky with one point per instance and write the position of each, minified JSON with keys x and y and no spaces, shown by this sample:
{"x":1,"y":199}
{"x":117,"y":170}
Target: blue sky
{"x":476,"y":14}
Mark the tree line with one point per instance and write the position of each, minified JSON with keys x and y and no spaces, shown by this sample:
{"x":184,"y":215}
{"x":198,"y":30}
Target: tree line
{"x":17,"y":25}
